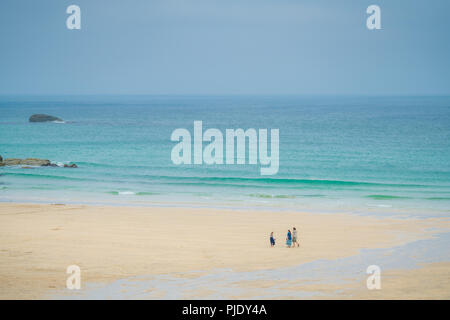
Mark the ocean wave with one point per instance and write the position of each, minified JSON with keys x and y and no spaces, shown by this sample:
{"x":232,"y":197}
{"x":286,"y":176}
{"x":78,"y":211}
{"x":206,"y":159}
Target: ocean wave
{"x":123,"y":193}
{"x":61,"y":164}
{"x":231,"y":182}
{"x":438,"y":198}
{"x":241,"y":181}
{"x":386,"y":197}
{"x":287,"y":181}
{"x":278,"y":196}
{"x":380,"y":205}
{"x":45,"y":176}
{"x":126,"y":193}
{"x":95,"y":164}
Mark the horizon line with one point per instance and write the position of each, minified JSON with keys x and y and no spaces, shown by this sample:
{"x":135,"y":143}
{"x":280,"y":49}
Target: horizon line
{"x":230,"y":94}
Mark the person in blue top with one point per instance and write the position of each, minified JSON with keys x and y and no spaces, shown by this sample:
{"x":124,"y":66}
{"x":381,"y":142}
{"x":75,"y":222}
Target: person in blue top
{"x":289,"y":239}
{"x":272,"y":240}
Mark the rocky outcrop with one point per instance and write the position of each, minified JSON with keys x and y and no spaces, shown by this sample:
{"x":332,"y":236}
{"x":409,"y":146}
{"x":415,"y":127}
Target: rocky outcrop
{"x":26,"y":162}
{"x":11,"y":162}
{"x":34,"y":162}
{"x":43,"y":118}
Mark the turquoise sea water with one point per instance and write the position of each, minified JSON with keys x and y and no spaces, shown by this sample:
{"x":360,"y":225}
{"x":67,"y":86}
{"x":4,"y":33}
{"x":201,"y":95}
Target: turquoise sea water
{"x":358,"y":154}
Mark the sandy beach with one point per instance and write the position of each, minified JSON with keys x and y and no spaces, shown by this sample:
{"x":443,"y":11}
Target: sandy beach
{"x":39,"y":241}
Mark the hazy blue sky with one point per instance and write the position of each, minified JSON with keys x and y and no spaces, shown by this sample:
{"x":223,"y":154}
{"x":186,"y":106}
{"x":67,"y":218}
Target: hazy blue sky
{"x":225,"y":47}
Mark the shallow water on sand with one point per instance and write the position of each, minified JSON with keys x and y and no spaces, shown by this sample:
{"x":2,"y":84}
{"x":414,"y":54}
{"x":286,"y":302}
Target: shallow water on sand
{"x":273,"y":284}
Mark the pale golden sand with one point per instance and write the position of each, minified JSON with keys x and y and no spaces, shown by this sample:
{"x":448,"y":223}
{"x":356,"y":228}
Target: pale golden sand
{"x":38,"y":242}
{"x":430,"y":281}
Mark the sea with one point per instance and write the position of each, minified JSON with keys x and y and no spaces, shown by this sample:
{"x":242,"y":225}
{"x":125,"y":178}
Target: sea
{"x":376,"y":155}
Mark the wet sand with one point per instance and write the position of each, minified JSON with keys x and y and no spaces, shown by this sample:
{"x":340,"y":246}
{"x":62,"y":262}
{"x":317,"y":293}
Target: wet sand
{"x":38,"y":242}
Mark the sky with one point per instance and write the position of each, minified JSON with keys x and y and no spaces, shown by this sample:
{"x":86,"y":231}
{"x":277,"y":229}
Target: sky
{"x":225,"y":47}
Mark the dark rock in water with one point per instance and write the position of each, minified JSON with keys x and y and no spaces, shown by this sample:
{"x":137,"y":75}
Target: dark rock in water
{"x":26,"y":162}
{"x":33,"y":162}
{"x":1,"y":159}
{"x":11,"y":162}
{"x":43,"y":118}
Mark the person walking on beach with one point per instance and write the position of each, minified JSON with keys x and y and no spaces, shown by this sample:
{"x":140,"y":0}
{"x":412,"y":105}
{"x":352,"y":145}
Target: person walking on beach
{"x":272,"y":240}
{"x":289,"y":239}
{"x":294,"y":238}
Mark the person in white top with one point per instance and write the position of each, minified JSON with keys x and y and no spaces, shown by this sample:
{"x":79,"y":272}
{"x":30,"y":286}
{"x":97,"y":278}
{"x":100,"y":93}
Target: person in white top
{"x":294,"y":238}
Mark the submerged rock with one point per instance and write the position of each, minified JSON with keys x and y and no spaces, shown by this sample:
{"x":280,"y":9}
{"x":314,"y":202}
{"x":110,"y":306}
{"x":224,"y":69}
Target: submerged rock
{"x":43,"y":118}
{"x":72,"y":165}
